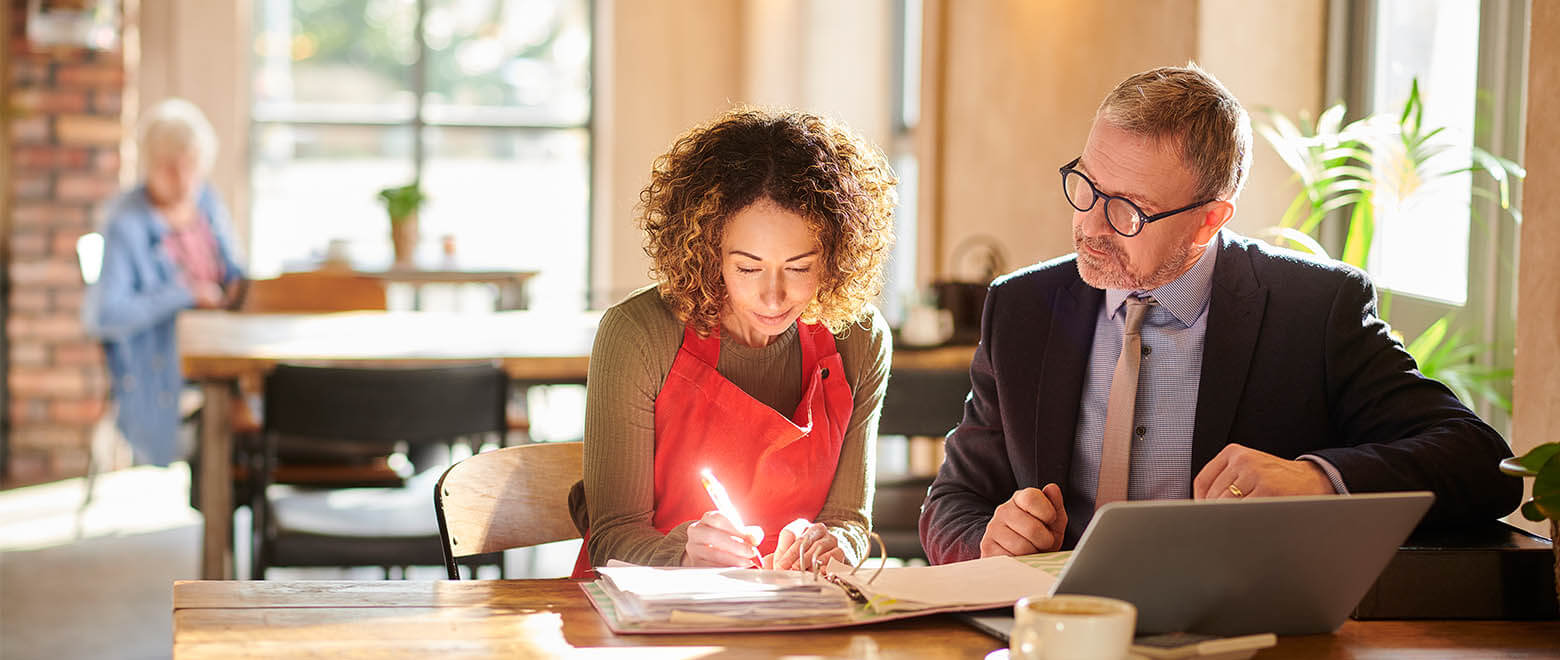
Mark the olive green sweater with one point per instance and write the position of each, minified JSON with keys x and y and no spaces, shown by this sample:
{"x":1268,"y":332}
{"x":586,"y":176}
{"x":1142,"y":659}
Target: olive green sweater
{"x":636,"y":343}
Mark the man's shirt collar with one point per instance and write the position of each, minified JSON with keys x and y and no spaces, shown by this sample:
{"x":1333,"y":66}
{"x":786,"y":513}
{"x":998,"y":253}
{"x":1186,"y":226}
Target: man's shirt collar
{"x":1185,"y":297}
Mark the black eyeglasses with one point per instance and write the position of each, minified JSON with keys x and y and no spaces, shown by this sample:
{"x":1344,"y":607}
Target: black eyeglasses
{"x":1124,"y":216}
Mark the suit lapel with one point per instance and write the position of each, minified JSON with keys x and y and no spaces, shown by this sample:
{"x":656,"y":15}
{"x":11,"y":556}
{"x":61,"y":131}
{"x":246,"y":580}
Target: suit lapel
{"x":1235,"y":309}
{"x":1067,"y":346}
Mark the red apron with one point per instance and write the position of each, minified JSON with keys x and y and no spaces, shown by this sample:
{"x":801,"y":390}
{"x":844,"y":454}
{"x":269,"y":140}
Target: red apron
{"x":775,"y":469}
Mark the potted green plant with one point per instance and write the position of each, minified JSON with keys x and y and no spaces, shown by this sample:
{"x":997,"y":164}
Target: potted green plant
{"x":402,"y":203}
{"x":1543,"y":464}
{"x":1347,"y":170}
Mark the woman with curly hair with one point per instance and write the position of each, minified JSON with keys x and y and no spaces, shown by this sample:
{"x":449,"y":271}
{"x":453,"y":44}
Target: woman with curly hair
{"x":757,"y":353}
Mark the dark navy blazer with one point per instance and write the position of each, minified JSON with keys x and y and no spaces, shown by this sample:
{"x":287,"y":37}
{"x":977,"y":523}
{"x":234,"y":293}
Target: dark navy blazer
{"x":1296,"y":361}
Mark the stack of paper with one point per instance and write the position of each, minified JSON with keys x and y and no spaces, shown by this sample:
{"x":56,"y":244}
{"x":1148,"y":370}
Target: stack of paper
{"x":714,"y":595}
{"x":988,"y":582}
{"x":642,"y":599}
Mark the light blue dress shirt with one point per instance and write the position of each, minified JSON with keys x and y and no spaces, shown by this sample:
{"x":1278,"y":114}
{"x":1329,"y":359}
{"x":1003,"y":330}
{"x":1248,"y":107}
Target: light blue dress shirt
{"x":1168,"y":378}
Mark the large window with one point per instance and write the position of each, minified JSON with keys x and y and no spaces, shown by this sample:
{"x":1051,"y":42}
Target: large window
{"x":899,"y":285}
{"x":1448,"y":250}
{"x":1421,"y":244}
{"x":486,"y":102}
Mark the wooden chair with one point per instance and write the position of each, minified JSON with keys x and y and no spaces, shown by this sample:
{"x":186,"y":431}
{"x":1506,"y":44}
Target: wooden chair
{"x":507,"y":498}
{"x":314,"y":292}
{"x":335,"y":413}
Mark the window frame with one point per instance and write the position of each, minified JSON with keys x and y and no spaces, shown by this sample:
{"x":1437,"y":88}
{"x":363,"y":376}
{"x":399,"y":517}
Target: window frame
{"x":420,"y":125}
{"x":1488,"y":317}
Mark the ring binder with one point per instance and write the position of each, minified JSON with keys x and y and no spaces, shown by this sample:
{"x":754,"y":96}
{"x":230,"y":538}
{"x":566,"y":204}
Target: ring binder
{"x":641,"y":599}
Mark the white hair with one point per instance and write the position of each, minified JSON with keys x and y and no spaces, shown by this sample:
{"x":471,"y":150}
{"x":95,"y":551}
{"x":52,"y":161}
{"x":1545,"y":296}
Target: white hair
{"x":176,"y":126}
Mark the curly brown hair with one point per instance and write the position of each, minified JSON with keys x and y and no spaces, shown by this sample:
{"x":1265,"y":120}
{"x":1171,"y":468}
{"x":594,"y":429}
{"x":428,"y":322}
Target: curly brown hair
{"x":806,"y":164}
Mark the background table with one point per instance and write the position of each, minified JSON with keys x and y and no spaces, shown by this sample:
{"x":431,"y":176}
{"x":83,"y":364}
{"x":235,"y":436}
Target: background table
{"x":510,"y":283}
{"x":530,"y":618}
{"x":218,"y":349}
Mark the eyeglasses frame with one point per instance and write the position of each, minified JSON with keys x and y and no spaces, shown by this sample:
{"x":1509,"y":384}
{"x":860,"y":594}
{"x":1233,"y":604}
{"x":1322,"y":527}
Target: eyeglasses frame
{"x":1072,"y":167}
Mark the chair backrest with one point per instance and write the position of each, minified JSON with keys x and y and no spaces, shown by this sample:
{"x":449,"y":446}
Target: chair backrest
{"x":314,"y":292}
{"x":350,"y":417}
{"x":507,"y":498}
{"x":89,"y":256}
{"x":923,"y":402}
{"x":384,"y":406}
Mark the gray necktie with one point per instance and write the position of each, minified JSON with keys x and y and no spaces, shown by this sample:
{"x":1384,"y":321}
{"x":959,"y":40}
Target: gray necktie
{"x":1116,"y":447}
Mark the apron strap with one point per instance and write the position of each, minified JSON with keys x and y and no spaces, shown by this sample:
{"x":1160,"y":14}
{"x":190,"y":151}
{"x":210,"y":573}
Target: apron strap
{"x":707,"y":349}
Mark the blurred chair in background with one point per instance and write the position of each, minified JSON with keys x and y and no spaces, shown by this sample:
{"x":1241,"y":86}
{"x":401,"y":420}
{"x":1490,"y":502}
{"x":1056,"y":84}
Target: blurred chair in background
{"x":314,"y":292}
{"x":89,"y":257}
{"x":508,"y":498}
{"x":343,"y":418}
{"x":918,"y":403}
{"x":307,"y":293}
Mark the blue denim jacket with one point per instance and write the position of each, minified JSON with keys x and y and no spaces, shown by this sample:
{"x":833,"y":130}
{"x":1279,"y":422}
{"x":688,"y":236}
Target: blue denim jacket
{"x":132,"y":309}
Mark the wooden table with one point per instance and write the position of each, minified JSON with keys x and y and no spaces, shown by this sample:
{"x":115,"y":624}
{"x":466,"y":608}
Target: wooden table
{"x":510,"y":283}
{"x":220,"y":348}
{"x":545,"y":618}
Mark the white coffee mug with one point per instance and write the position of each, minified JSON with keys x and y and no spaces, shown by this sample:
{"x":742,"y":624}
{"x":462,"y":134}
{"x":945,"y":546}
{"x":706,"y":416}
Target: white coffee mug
{"x":926,"y":326}
{"x":1072,"y":627}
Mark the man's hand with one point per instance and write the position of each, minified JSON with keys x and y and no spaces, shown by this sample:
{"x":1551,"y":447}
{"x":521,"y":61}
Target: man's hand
{"x":1031,"y":521}
{"x":1257,"y":474}
{"x":804,"y":546}
{"x":714,"y":541}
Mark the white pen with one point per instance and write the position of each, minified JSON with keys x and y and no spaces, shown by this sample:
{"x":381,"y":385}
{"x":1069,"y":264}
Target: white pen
{"x":723,"y":504}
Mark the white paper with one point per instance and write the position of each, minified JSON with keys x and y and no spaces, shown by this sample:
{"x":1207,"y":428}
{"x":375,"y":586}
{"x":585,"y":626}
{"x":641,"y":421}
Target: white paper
{"x":992,"y":580}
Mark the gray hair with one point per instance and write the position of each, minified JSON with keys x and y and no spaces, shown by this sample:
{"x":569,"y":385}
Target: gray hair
{"x":175,"y":126}
{"x":1194,"y":111}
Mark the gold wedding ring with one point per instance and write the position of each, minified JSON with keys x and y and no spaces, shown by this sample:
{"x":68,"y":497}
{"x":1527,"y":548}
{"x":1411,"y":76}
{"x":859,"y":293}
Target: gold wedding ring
{"x":1236,"y":491}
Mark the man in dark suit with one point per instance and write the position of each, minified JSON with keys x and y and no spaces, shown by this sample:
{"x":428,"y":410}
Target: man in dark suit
{"x":1170,"y":358}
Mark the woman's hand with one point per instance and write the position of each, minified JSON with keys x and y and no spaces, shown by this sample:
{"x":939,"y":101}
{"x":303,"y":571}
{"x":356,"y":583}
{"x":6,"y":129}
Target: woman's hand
{"x":714,"y":541}
{"x":804,"y":546}
{"x":208,"y":295}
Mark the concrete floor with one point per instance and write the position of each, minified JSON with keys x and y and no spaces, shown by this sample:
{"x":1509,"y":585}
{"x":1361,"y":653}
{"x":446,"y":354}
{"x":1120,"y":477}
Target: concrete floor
{"x":98,"y":583}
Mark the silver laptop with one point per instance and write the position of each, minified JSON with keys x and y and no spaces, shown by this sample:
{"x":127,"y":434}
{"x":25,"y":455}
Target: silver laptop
{"x":1285,"y":565}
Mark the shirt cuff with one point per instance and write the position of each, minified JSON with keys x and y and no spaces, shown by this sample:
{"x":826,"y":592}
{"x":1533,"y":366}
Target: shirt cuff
{"x":1329,"y":470}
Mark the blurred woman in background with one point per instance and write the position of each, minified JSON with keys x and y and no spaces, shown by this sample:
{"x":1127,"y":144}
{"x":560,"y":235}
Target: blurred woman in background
{"x":757,"y":354}
{"x":166,"y":248}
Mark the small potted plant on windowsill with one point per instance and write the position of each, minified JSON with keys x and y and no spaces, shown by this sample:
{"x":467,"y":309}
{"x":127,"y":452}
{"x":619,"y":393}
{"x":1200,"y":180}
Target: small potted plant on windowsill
{"x":1543,"y":464}
{"x":402,"y":203}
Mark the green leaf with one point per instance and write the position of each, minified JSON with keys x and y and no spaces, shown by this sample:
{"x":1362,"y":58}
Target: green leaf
{"x":402,"y":201}
{"x":1408,"y":106}
{"x":1346,"y":151}
{"x":1356,"y":247}
{"x":1424,"y":345}
{"x":1413,"y":107}
{"x":1546,"y":489}
{"x":1528,"y":465}
{"x":1291,"y":214}
{"x":1331,"y":119}
{"x":1287,"y":151}
{"x":1302,"y":239}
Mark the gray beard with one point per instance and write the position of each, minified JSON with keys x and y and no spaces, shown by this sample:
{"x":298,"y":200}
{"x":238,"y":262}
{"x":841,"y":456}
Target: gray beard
{"x":1114,"y":272}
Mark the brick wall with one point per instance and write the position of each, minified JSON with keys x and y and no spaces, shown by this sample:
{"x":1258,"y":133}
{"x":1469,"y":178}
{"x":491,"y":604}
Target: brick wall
{"x":65,"y":130}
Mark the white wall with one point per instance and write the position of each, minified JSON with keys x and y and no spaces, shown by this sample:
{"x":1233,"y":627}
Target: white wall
{"x":664,"y":67}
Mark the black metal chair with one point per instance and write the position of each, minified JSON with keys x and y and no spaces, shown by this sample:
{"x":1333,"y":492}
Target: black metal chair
{"x":336,"y":415}
{"x":918,"y":403}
